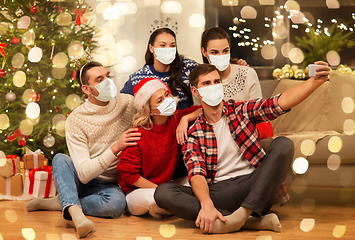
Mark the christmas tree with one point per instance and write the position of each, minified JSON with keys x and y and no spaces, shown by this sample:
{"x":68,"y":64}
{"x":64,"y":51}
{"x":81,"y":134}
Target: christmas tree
{"x":38,"y":90}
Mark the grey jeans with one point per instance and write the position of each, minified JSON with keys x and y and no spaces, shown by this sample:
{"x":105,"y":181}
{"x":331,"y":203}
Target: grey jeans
{"x":255,"y":191}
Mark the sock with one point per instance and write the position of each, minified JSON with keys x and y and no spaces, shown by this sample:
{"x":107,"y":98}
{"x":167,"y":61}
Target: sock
{"x":52,"y":204}
{"x":266,"y":222}
{"x":83,"y":225}
{"x":234,"y":223}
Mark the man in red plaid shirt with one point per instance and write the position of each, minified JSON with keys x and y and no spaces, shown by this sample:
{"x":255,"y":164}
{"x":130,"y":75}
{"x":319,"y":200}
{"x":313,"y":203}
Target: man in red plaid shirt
{"x":230,"y":174}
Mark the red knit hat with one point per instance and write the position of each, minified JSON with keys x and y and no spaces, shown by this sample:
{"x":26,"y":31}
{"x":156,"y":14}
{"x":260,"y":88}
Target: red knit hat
{"x":145,"y":89}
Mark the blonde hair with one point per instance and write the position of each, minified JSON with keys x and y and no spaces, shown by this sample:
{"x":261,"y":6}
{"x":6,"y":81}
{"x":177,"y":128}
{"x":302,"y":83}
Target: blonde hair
{"x":142,"y":118}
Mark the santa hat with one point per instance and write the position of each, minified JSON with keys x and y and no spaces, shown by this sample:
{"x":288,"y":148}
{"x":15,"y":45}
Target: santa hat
{"x":145,"y":89}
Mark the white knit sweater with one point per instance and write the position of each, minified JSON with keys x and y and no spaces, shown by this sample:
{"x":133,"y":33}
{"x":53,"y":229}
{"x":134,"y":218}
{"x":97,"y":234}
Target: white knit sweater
{"x":90,"y":132}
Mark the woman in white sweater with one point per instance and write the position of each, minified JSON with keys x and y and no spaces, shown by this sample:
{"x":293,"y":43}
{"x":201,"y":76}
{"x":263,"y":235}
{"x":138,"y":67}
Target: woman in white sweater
{"x":96,"y":133}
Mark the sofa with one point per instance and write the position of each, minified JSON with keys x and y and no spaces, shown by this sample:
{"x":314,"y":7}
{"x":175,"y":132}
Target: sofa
{"x":323,"y":131}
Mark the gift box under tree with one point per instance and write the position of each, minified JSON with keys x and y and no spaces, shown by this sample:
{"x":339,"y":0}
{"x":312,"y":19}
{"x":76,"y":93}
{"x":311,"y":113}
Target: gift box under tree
{"x":10,"y":166}
{"x":11,"y":186}
{"x":39,"y":182}
{"x":34,"y":160}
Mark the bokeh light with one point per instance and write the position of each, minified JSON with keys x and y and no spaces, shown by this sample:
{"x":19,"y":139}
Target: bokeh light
{"x":197,"y":20}
{"x":24,"y":22}
{"x":263,"y":238}
{"x":348,"y":105}
{"x":69,"y":236}
{"x":4,"y":121}
{"x":91,"y":17}
{"x":28,"y":233}
{"x":167,"y":230}
{"x":11,"y":215}
{"x":307,"y":224}
{"x":267,"y":2}
{"x":230,"y":2}
{"x":102,"y":6}
{"x":300,"y":165}
{"x":333,"y":162}
{"x":339,"y":231}
{"x":248,"y":12}
{"x":346,"y":178}
{"x":297,"y":17}
{"x":310,"y":17}
{"x":19,"y":79}
{"x":308,"y":205}
{"x":106,"y":41}
{"x":17,"y":60}
{"x":286,"y":48}
{"x":110,"y":13}
{"x":121,"y":7}
{"x":60,"y":60}
{"x":349,"y":127}
{"x":298,"y":185}
{"x":152,"y":2}
{"x":279,"y":31}
{"x":117,"y":51}
{"x":308,"y":147}
{"x":171,"y":7}
{"x":35,"y":54}
{"x":33,"y":110}
{"x":57,"y":119}
{"x":64,"y":19}
{"x":131,"y":8}
{"x":52,"y":236}
{"x":128,"y":46}
{"x":296,"y":55}
{"x":335,"y":144}
{"x":333,"y":58}
{"x":75,"y":48}
{"x":28,"y":37}
{"x":269,"y":52}
{"x":144,"y":238}
{"x":59,"y":73}
{"x":112,"y":26}
{"x":29,"y":95}
{"x":291,"y":5}
{"x":332,"y":4}
{"x":2,"y":159}
{"x":72,"y":101}
{"x":26,"y":127}
{"x":129,"y":64}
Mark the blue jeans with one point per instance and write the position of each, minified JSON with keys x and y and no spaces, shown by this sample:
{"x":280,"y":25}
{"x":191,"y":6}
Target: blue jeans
{"x":96,"y":198}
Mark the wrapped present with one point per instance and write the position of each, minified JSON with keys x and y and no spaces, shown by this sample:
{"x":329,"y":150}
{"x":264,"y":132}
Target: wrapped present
{"x":39,"y":182}
{"x":34,"y":160}
{"x":11,"y":186}
{"x":11,"y":167}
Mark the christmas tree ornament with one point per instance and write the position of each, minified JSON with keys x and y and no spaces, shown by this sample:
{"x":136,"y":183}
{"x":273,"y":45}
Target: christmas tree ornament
{"x":19,"y":12}
{"x":2,"y":50}
{"x":10,"y":96}
{"x":19,"y":79}
{"x":49,"y":140}
{"x":300,"y":74}
{"x":2,"y":73}
{"x":18,"y":60}
{"x":80,"y":17}
{"x":288,"y":73}
{"x":277,"y":73}
{"x":15,"y":40}
{"x":35,"y":54}
{"x":28,"y":37}
{"x":4,"y":121}
{"x":64,"y":19}
{"x":34,"y":8}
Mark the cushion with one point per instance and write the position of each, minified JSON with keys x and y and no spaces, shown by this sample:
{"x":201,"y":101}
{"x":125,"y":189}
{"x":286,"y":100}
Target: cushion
{"x":306,"y":116}
{"x":341,"y":85}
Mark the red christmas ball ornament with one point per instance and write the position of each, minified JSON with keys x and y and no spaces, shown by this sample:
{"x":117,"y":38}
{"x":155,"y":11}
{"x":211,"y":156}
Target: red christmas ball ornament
{"x":73,"y":74}
{"x":34,"y":8}
{"x":15,"y":40}
{"x":2,"y":73}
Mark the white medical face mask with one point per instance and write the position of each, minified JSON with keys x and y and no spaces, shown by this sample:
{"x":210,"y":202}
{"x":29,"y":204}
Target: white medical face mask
{"x":165,"y":55}
{"x":167,"y":107}
{"x":107,"y":90}
{"x":220,"y":61}
{"x":212,"y":95}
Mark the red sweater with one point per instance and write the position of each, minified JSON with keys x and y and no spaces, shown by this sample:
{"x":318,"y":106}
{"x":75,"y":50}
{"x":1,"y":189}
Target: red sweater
{"x":156,"y":155}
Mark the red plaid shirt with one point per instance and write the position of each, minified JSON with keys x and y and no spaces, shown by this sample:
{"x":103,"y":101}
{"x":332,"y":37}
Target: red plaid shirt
{"x":200,"y":149}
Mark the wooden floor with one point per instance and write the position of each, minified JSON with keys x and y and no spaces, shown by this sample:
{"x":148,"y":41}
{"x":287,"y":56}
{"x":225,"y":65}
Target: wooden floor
{"x":332,"y":218}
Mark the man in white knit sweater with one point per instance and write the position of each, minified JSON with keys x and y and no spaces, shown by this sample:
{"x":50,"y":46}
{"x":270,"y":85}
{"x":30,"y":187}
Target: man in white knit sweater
{"x":96,"y":133}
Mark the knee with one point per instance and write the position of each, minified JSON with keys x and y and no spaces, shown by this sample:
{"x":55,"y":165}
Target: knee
{"x":163,"y":194}
{"x":60,"y":159}
{"x":115,"y":205}
{"x":284,"y":144}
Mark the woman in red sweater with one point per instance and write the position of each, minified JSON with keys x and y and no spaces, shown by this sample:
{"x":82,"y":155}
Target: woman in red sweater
{"x":154,"y":159}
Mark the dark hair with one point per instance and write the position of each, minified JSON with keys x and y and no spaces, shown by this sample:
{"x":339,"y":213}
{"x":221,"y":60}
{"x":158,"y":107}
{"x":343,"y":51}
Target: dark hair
{"x":212,"y":34}
{"x":201,"y":69}
{"x":81,"y":76}
{"x":176,"y":67}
